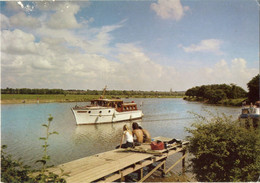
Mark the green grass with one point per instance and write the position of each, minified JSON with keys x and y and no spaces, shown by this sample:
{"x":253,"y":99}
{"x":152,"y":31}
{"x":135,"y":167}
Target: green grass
{"x":224,"y":102}
{"x":47,"y":98}
{"x":232,"y":102}
{"x":29,"y":98}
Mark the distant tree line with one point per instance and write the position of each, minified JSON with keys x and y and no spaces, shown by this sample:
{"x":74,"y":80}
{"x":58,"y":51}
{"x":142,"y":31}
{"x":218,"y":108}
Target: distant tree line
{"x":90,"y":92}
{"x":31,"y":91}
{"x":216,"y":92}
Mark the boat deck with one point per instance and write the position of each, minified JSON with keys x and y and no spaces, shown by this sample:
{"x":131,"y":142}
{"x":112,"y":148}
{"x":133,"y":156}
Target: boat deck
{"x":113,"y":165}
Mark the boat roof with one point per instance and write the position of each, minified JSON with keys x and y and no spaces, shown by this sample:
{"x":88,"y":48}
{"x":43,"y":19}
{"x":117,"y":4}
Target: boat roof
{"x":109,"y":100}
{"x":129,"y":103}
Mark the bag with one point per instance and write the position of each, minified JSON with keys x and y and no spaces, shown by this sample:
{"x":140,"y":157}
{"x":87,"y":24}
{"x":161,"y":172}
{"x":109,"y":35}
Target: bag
{"x":157,"y":145}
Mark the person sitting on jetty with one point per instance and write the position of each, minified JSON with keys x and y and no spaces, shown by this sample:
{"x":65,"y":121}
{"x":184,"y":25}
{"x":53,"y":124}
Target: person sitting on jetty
{"x":147,"y":136}
{"x":138,"y":133}
{"x":127,"y":135}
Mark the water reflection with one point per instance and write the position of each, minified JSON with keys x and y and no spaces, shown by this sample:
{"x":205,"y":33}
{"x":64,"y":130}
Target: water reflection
{"x":100,"y":133}
{"x":21,"y":127}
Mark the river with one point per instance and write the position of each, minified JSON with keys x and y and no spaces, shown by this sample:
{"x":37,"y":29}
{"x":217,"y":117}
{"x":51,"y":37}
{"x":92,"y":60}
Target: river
{"x":21,"y":127}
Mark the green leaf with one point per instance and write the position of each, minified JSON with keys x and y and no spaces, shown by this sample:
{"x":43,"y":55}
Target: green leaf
{"x":45,"y":125}
{"x":50,"y":118}
{"x":45,"y":146}
{"x":42,"y":138}
{"x":55,"y":133}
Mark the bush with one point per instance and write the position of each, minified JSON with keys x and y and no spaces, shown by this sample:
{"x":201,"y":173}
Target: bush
{"x":223,"y":151}
{"x":13,"y":170}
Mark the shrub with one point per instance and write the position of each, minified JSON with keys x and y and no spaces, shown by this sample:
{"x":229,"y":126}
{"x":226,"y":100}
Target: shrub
{"x":222,"y":151}
{"x":13,"y":170}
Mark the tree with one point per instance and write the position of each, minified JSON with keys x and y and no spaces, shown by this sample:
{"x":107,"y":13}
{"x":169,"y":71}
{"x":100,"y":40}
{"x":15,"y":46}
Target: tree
{"x":222,"y":151}
{"x":216,"y":96}
{"x":192,"y":91}
{"x":253,"y":88}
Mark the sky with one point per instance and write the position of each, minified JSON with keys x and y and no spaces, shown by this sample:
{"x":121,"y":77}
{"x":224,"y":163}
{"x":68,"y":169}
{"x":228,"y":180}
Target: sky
{"x":148,"y":45}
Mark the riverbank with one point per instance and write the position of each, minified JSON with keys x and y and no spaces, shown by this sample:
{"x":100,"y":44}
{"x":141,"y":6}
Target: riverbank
{"x":224,"y":102}
{"x":60,"y":98}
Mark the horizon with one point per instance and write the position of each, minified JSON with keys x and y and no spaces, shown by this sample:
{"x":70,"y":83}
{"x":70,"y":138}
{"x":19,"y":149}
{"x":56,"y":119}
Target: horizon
{"x":97,"y":89}
{"x":155,"y":45}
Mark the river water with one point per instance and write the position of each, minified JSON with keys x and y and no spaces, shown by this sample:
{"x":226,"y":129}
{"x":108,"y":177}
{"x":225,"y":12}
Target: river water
{"x":21,"y":127}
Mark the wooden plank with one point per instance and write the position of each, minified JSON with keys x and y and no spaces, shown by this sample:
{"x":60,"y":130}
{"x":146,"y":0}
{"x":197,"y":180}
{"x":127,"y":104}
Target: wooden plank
{"x":129,"y":170}
{"x":90,"y":162}
{"x":112,"y":165}
{"x":108,"y":168}
{"x":175,"y":164}
{"x":151,"y":172}
{"x":104,"y":168}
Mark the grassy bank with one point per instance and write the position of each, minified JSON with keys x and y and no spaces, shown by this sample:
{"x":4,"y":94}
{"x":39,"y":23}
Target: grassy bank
{"x":224,"y":102}
{"x":27,"y":98}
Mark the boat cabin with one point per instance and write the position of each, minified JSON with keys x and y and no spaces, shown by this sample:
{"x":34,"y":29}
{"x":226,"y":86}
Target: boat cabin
{"x":118,"y":104}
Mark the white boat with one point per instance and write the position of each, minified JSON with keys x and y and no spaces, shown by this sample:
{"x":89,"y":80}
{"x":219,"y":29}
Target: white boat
{"x":250,"y":115}
{"x":106,"y":111}
{"x":252,"y":111}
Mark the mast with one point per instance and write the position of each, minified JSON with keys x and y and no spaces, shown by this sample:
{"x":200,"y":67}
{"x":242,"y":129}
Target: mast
{"x":104,"y":91}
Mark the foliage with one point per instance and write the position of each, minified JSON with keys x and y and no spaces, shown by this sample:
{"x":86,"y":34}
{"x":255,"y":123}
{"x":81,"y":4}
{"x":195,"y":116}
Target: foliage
{"x":223,"y":151}
{"x":89,"y":92}
{"x":253,"y":87}
{"x":215,"y":93}
{"x":16,"y":171}
{"x":13,"y":170}
{"x":45,"y":175}
{"x":233,"y":102}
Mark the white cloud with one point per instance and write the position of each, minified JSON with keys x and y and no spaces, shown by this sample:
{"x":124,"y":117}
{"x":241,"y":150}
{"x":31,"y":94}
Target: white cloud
{"x":56,"y":56}
{"x":50,"y":64}
{"x":4,"y":22}
{"x":64,"y":17}
{"x":235,"y":72}
{"x":41,"y":63}
{"x":17,"y":42}
{"x":169,"y":9}
{"x":137,"y":70}
{"x":208,"y":45}
{"x":21,"y":20}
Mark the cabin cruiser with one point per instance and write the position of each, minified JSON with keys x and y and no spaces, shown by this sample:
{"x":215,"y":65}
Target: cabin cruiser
{"x":104,"y":110}
{"x":250,"y":115}
{"x":252,"y":111}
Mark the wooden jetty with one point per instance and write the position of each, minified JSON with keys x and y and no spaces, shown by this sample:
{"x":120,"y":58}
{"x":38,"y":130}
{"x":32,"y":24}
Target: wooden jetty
{"x":116,"y":164}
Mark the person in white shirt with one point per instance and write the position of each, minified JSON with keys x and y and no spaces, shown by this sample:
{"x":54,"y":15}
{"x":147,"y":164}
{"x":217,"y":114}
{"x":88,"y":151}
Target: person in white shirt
{"x":128,"y":136}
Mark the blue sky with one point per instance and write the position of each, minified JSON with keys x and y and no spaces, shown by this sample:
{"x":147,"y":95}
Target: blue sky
{"x":140,"y":45}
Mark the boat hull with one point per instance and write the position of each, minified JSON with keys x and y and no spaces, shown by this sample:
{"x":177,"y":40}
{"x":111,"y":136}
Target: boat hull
{"x":104,"y":115}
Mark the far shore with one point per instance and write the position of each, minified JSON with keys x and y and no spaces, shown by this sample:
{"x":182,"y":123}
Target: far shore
{"x":15,"y":101}
{"x":36,"y":99}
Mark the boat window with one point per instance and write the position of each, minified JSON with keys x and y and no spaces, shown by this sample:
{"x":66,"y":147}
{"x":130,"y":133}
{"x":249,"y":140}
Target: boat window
{"x":100,"y":112}
{"x":81,"y":111}
{"x":89,"y":112}
{"x":109,"y":111}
